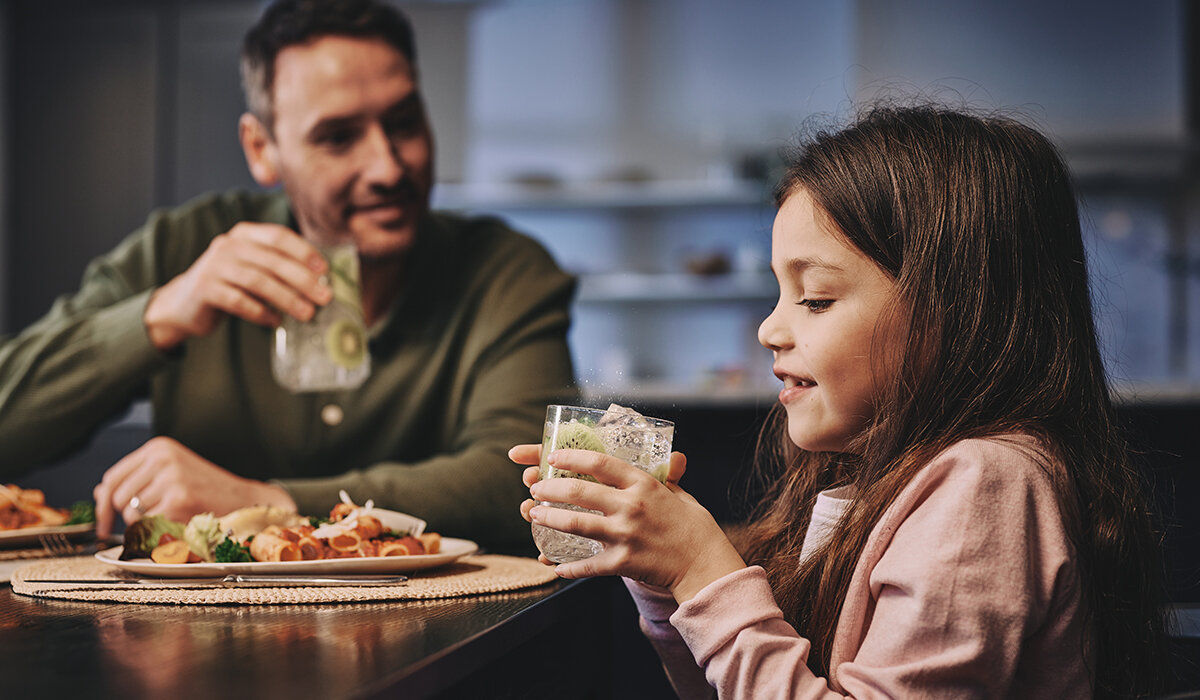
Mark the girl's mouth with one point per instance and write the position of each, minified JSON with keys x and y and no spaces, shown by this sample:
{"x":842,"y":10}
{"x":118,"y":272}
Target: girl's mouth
{"x":793,"y":387}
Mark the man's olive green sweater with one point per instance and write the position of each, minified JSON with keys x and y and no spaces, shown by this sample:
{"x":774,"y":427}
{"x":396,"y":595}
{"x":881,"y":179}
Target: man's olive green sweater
{"x":462,"y":368}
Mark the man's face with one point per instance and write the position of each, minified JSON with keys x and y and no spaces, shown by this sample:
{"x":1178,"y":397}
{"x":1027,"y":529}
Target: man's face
{"x":354,"y":149}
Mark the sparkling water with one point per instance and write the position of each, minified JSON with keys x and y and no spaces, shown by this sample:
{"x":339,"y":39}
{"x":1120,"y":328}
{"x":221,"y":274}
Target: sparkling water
{"x":329,"y":352}
{"x":620,"y":432}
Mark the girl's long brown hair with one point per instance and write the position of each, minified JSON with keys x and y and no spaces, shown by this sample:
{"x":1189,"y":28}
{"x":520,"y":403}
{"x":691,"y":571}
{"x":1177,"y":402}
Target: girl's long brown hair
{"x":975,"y":218}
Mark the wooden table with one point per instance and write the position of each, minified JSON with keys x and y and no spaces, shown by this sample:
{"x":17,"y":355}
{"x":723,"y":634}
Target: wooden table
{"x":525,"y":644}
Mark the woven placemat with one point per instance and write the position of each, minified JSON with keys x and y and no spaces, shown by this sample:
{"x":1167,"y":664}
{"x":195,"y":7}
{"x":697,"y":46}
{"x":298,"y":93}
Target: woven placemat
{"x":484,"y":573}
{"x":13,"y":554}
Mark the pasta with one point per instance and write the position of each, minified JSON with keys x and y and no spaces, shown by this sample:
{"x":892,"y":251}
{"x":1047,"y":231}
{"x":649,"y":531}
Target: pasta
{"x":257,"y":534}
{"x":22,"y":508}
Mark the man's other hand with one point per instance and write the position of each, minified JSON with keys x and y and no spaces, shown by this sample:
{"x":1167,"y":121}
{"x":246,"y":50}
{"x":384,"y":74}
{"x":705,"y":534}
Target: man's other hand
{"x":169,"y":479}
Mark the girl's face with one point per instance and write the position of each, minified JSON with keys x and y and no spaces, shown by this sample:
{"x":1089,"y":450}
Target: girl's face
{"x":832,"y":334}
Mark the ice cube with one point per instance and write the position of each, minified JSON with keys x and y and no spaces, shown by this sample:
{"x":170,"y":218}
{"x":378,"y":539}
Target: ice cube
{"x":620,"y":415}
{"x":627,"y":435}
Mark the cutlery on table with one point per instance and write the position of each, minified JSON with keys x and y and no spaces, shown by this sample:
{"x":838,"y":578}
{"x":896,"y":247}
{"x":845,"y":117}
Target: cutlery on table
{"x":231,"y":581}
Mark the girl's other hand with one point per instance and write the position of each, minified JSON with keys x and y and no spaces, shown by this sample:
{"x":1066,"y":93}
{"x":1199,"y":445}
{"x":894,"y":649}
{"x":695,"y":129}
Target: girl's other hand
{"x":654,"y":533}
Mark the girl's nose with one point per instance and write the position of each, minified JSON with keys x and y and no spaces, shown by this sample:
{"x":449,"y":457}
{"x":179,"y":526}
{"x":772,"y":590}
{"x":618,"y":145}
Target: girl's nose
{"x":773,"y":333}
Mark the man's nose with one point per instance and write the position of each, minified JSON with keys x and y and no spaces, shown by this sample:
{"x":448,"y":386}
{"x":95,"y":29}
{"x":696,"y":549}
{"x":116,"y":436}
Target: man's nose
{"x":382,"y":159}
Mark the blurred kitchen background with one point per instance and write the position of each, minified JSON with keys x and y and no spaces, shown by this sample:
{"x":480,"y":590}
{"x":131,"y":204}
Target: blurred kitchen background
{"x":638,"y":139}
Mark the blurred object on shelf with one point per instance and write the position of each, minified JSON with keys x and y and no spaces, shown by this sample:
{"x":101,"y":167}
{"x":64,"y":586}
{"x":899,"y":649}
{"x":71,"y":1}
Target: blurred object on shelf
{"x":724,"y":378}
{"x":708,"y":264}
{"x":537,"y":179}
{"x":631,"y":173}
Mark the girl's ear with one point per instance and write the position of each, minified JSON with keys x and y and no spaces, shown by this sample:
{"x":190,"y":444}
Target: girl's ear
{"x":262,"y":155}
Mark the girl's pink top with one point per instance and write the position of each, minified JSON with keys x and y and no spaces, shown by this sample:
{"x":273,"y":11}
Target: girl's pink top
{"x":967,"y":587}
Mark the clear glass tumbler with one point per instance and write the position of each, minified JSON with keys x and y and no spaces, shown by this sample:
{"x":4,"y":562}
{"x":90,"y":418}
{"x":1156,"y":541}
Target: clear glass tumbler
{"x":329,"y":352}
{"x":616,"y":431}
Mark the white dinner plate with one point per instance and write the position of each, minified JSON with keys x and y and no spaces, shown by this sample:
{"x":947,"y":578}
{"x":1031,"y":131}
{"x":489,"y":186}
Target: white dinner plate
{"x":29,"y":535}
{"x":451,"y":550}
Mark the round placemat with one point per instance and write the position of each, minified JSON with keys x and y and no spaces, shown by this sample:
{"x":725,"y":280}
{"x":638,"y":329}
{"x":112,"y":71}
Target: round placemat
{"x":484,"y":573}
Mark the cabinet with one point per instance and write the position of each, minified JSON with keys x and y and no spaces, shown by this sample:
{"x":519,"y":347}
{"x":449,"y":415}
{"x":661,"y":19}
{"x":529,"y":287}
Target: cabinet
{"x":674,"y":279}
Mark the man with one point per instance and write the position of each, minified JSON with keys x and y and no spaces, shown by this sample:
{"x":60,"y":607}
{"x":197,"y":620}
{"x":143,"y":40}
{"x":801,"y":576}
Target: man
{"x":467,"y":319}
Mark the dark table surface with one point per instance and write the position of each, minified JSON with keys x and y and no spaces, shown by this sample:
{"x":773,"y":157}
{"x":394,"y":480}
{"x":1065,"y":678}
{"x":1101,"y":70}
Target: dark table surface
{"x":522,"y":644}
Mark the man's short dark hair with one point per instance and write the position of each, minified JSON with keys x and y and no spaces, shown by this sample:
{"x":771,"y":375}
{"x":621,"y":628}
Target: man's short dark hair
{"x":291,"y":22}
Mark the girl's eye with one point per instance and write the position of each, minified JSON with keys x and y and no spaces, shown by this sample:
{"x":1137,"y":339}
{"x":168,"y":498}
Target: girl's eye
{"x":816,"y":305}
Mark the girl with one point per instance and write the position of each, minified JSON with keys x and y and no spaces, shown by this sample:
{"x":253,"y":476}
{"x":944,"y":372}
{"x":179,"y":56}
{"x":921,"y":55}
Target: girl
{"x":955,"y":515}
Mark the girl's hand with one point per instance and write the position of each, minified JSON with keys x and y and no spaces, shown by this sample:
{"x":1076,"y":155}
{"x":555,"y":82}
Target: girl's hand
{"x":654,"y":533}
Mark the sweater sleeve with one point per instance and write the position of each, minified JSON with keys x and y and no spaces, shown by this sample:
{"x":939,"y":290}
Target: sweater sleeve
{"x":960,"y":584}
{"x":655,"y":607}
{"x":80,"y":365}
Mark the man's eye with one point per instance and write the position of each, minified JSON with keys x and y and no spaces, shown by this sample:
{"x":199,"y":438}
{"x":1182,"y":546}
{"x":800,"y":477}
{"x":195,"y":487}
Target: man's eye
{"x":337,"y":138}
{"x":816,"y":305}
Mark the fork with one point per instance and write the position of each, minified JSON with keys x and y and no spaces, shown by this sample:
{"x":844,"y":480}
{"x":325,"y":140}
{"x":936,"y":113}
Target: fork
{"x":57,"y":545}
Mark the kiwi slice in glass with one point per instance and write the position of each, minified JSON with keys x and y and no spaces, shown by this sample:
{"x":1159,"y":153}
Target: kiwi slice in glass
{"x":571,"y":436}
{"x":346,"y":343}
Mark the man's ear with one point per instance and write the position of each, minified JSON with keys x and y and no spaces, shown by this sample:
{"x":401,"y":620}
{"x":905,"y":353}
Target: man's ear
{"x":261,"y":153}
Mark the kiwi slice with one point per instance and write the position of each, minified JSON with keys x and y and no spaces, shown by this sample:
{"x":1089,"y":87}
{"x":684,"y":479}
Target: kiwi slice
{"x":570,"y":436}
{"x":346,"y":343}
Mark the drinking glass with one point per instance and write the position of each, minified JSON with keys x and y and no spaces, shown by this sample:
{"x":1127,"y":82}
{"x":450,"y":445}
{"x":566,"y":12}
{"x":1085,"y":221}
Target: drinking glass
{"x":330,"y":351}
{"x":618,"y":432}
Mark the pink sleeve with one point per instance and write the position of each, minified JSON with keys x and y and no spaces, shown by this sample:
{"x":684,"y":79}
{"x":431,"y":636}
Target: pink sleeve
{"x":655,"y":606}
{"x":962,"y":582}
{"x":737,"y":632}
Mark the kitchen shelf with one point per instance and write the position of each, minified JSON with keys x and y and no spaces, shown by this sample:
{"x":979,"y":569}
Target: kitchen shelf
{"x":649,"y":194}
{"x":630,"y":287}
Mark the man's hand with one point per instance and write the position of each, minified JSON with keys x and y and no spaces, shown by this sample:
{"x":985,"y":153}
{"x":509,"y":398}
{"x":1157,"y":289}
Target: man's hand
{"x":255,"y":271}
{"x":171,"y":480}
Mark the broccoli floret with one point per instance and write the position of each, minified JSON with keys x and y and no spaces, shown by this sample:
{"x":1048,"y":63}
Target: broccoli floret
{"x":231,"y":551}
{"x":81,"y":512}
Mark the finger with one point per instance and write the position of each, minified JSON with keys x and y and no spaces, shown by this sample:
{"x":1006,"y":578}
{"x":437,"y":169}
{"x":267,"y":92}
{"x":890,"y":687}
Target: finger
{"x":530,"y":476}
{"x":526,"y":454}
{"x":134,"y":484}
{"x":597,"y":565}
{"x":104,"y":511}
{"x":107,"y":508}
{"x":607,"y":470}
{"x":577,"y":523}
{"x":296,"y":297}
{"x":577,"y":492}
{"x":526,"y":506}
{"x":284,"y":240}
{"x":236,"y":301}
{"x":677,"y":468}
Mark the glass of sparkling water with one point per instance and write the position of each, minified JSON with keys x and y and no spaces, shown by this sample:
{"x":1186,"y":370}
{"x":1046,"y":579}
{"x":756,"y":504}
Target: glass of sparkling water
{"x":330,"y":351}
{"x":617,"y":431}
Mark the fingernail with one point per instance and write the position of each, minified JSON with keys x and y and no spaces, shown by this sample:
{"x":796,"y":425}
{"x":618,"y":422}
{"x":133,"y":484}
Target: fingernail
{"x":552,"y":458}
{"x":535,"y":513}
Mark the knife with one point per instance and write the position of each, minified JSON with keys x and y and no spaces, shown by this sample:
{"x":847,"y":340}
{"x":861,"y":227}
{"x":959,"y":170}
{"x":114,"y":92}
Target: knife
{"x":231,"y":581}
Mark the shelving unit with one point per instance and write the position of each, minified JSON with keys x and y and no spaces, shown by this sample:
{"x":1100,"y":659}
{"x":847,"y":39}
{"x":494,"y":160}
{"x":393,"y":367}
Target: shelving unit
{"x":632,"y":287}
{"x":646,"y":330}
{"x":604,"y":195}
